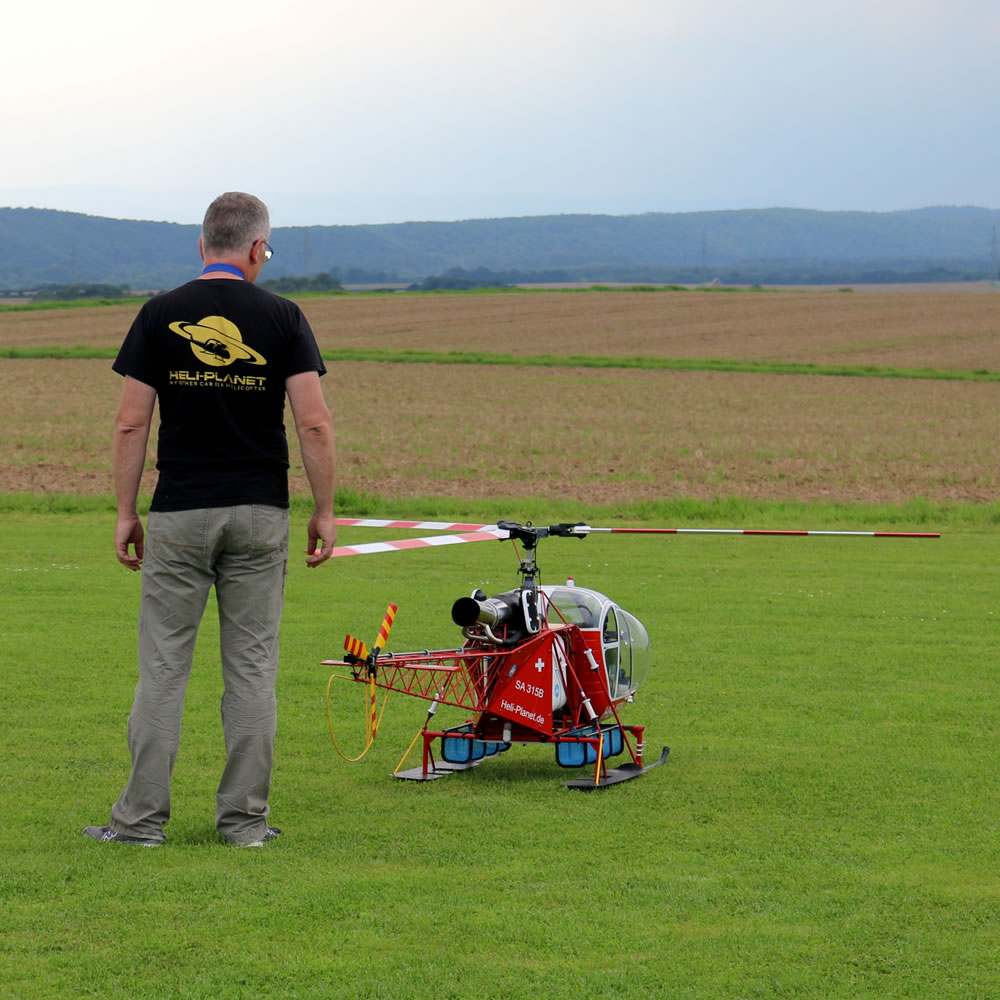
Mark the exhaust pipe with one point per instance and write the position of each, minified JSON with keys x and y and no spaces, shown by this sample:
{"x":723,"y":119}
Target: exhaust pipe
{"x":468,"y":611}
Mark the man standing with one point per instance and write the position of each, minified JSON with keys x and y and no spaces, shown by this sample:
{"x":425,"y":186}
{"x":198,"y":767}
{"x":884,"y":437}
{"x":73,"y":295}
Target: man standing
{"x":220,"y":355}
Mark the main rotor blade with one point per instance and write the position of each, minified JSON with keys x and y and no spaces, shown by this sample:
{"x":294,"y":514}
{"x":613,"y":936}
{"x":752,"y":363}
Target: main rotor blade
{"x":369,"y":548}
{"x":467,"y":532}
{"x":586,"y":529}
{"x":368,"y":522}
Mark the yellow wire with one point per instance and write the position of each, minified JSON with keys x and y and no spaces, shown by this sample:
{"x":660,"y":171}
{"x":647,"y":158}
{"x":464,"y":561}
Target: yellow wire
{"x":369,"y":738}
{"x":410,"y":747}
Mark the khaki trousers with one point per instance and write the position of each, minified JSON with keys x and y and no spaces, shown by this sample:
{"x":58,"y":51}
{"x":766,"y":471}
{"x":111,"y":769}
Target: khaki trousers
{"x":242,"y":552}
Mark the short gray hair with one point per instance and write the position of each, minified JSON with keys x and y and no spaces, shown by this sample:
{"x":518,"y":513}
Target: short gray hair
{"x":233,"y":222}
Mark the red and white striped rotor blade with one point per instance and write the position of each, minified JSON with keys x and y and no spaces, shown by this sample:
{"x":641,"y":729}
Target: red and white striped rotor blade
{"x":586,"y":529}
{"x":428,"y":541}
{"x":368,"y":522}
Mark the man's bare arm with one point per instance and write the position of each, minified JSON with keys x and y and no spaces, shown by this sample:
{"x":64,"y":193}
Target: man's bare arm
{"x":128,"y":456}
{"x":314,"y":427}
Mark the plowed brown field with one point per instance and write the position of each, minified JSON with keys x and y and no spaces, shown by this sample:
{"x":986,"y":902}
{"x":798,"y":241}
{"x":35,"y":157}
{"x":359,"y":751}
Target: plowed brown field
{"x":603,"y":435}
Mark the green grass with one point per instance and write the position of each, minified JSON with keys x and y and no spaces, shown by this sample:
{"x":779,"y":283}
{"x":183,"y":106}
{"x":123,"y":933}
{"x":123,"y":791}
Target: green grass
{"x":47,"y":304}
{"x":826,"y":825}
{"x":76,"y":351}
{"x":32,"y":305}
{"x":918,"y":514}
{"x":574,"y":361}
{"x":586,"y":289}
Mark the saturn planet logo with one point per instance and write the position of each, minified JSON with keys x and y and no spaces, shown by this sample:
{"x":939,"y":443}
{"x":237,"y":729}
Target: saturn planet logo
{"x":217,"y":342}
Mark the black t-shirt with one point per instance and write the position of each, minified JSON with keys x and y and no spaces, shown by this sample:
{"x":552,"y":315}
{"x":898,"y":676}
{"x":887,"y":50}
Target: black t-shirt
{"x":217,"y":351}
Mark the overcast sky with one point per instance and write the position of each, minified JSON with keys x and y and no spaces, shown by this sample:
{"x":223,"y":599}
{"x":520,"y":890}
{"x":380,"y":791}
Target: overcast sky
{"x":398,"y":110}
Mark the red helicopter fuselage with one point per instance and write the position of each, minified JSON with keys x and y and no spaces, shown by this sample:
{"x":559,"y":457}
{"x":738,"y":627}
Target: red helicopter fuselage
{"x":588,"y":657}
{"x":561,"y":684}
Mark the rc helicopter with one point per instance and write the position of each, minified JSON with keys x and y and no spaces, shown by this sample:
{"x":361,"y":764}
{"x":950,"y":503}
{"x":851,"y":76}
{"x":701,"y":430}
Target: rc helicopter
{"x":546,"y":664}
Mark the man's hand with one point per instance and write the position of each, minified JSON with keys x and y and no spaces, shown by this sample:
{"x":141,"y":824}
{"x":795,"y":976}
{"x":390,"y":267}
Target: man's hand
{"x":128,"y":454}
{"x":314,"y":427}
{"x":322,"y":532}
{"x":128,"y":531}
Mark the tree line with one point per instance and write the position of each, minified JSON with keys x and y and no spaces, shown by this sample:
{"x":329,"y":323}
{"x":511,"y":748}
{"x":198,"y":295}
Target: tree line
{"x":40,"y":247}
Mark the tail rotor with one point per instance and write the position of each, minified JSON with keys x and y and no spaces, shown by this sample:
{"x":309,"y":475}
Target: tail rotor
{"x":363,"y":660}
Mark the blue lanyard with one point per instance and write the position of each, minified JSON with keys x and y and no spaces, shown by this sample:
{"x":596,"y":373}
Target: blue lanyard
{"x":225,"y":267}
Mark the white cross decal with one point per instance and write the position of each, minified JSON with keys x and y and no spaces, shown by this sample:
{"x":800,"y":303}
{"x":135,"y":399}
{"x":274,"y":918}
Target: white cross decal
{"x":539,"y":664}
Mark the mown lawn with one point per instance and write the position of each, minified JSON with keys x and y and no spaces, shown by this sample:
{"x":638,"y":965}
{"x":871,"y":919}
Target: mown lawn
{"x":826,"y":825}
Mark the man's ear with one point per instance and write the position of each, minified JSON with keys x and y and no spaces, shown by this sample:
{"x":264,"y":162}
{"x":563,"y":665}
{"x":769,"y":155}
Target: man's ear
{"x":201,"y":250}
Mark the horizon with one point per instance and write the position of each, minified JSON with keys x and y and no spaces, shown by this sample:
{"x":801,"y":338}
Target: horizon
{"x":539,"y":215}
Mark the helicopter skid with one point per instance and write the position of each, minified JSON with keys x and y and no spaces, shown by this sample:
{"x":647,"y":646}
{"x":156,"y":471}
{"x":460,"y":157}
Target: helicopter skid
{"x":615,"y":776}
{"x":441,"y":770}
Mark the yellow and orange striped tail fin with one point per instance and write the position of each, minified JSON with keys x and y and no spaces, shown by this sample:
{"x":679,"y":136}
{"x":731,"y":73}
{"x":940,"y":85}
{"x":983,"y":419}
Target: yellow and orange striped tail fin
{"x":386,"y":627}
{"x":355,"y":647}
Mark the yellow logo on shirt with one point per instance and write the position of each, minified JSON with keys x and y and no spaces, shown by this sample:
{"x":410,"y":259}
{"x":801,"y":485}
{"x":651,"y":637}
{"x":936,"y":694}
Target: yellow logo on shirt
{"x":217,"y":342}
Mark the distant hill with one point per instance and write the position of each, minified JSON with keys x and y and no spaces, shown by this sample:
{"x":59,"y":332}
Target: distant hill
{"x":777,"y":245}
